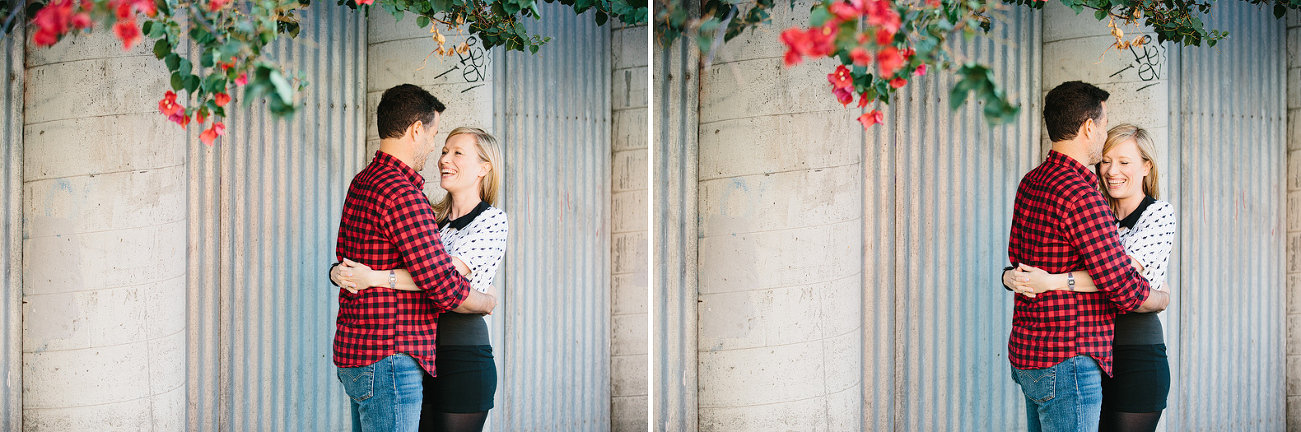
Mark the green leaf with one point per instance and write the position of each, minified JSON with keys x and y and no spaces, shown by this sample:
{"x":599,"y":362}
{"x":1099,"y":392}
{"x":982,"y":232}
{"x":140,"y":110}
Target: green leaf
{"x":147,"y":27}
{"x":1100,"y":14}
{"x":281,"y":85}
{"x":191,"y":83}
{"x":177,"y":82}
{"x":1279,"y":10}
{"x":422,"y":21}
{"x":173,"y":61}
{"x":601,"y":17}
{"x":185,"y":67}
{"x":819,"y":16}
{"x":162,"y":48}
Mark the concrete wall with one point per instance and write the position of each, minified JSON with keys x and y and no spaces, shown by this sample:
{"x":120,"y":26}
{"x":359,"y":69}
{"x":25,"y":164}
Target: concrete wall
{"x":628,"y":230}
{"x":104,"y":241}
{"x":1293,"y":136}
{"x":780,"y":249}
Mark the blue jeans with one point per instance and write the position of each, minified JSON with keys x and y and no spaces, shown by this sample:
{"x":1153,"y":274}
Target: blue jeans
{"x":386,"y":395}
{"x":1065,"y":397}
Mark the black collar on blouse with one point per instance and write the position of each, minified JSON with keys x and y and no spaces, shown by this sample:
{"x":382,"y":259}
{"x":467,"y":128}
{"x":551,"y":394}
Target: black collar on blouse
{"x":1132,"y":219}
{"x":462,"y":221}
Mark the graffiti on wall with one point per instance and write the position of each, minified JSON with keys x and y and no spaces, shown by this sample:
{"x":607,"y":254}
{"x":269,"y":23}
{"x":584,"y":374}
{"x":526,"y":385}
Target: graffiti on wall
{"x":1148,"y":62}
{"x":472,"y":64}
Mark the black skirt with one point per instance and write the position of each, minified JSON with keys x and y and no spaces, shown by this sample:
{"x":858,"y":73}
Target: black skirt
{"x":466,"y":381}
{"x":1140,"y":380}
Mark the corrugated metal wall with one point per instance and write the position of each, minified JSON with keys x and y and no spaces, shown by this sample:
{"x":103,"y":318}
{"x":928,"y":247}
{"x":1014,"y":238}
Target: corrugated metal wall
{"x":264,"y":213}
{"x":1228,"y":116}
{"x":938,"y":206}
{"x":552,"y":112}
{"x":676,"y":93}
{"x":11,"y":257}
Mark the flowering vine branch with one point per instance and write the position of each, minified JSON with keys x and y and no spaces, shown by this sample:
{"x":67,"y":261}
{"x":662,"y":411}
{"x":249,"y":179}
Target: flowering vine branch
{"x":229,"y":36}
{"x":882,"y":44}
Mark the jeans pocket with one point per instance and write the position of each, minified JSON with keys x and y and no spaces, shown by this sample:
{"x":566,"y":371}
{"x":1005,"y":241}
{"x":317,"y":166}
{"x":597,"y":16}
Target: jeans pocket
{"x":1040,"y":385}
{"x":358,"y":382}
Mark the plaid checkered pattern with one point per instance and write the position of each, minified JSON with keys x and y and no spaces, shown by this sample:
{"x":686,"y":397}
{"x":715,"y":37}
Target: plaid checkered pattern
{"x":388,"y":224}
{"x":1061,"y":223}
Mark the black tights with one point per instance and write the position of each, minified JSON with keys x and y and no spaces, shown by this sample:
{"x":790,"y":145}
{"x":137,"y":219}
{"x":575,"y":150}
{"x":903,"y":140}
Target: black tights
{"x":1115,"y":421}
{"x":452,"y":422}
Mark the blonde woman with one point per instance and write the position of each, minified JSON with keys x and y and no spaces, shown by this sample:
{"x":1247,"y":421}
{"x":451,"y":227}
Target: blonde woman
{"x":1135,"y":395}
{"x":474,"y":233}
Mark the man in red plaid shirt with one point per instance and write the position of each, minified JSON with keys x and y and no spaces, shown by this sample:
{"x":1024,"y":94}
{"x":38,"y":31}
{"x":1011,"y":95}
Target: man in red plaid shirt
{"x":384,"y":340}
{"x":1061,"y":340}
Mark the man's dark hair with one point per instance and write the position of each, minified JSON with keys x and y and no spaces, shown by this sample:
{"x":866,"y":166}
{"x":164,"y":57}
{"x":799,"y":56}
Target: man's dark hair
{"x":1067,"y":106}
{"x":402,"y":106}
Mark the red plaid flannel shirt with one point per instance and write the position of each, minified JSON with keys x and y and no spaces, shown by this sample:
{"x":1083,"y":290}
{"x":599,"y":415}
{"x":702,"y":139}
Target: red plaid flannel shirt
{"x":1061,"y":223}
{"x":388,"y":224}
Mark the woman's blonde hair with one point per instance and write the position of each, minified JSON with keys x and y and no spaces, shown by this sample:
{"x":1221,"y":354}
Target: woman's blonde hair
{"x":490,"y":152}
{"x":1146,"y":148}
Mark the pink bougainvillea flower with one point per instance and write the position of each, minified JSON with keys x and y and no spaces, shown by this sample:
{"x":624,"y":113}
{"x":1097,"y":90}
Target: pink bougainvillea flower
{"x":884,"y":37}
{"x":52,"y":22}
{"x":243,"y":79}
{"x":180,"y":118}
{"x":221,"y":98}
{"x":365,"y":2}
{"x":210,"y":135}
{"x":908,"y":53}
{"x":844,"y":95}
{"x":823,"y":40}
{"x":862,"y":100}
{"x":844,"y":11}
{"x":199,"y":117}
{"x":128,"y":32}
{"x":888,"y":61}
{"x":881,"y":14}
{"x":933,"y":3}
{"x":168,"y":105}
{"x":216,"y":5}
{"x":871,"y":118}
{"x":921,"y":70}
{"x":81,"y":21}
{"x":860,"y":56}
{"x":898,"y":82}
{"x":840,"y":78}
{"x":797,"y":43}
{"x":146,"y":7}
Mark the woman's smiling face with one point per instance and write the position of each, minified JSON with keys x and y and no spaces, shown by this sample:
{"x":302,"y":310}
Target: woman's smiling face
{"x":460,"y":168}
{"x":1123,"y":169}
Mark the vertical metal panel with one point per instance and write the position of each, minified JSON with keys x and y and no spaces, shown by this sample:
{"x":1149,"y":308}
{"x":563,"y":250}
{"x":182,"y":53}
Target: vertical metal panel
{"x":1229,"y":122}
{"x":11,"y":257}
{"x":264,"y":214}
{"x":553,"y":115}
{"x":939,"y":198}
{"x":676,"y":93}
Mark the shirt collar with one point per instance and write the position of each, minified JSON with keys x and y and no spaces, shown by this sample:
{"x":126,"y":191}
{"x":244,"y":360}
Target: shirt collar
{"x":1065,"y":161}
{"x":462,"y":221}
{"x":411,"y":173}
{"x":1133,"y":217}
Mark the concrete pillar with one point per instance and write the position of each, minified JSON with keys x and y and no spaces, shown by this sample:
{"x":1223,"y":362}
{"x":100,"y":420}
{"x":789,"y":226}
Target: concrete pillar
{"x":780,"y":249}
{"x":1076,"y":48}
{"x":1293,"y":137}
{"x":396,"y":55}
{"x":104,"y":241}
{"x":677,"y":101}
{"x":628,"y":231}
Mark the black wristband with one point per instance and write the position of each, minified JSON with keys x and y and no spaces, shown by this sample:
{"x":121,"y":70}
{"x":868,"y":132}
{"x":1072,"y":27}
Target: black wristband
{"x":1000,"y":277}
{"x":331,"y":270}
